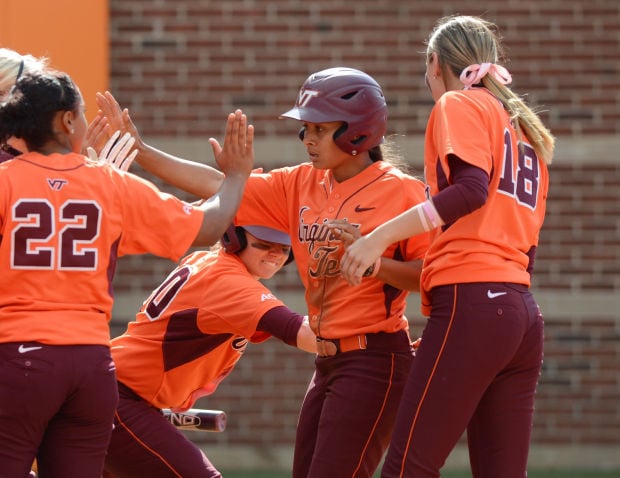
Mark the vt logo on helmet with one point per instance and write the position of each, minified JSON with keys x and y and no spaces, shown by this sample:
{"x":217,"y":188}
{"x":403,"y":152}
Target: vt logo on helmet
{"x":347,"y":95}
{"x":305,"y":96}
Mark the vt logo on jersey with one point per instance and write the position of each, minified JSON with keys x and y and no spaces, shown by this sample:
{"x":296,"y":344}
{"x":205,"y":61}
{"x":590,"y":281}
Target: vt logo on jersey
{"x":305,"y":96}
{"x":56,"y":184}
{"x":265,"y":297}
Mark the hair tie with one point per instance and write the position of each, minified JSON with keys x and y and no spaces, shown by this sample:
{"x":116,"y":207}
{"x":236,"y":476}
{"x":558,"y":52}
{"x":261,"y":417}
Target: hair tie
{"x":474,"y":73}
{"x":20,"y":70}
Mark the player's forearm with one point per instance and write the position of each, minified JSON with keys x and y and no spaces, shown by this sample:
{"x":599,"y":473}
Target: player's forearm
{"x":399,"y":274}
{"x":220,"y":209}
{"x":399,"y":228}
{"x":195,"y":178}
{"x":306,"y":340}
{"x":419,"y":219}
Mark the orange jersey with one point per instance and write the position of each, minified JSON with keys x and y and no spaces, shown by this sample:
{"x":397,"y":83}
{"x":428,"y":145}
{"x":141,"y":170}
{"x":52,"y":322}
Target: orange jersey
{"x":491,"y":243}
{"x":300,"y":200}
{"x":192,"y":330}
{"x":64,"y":220}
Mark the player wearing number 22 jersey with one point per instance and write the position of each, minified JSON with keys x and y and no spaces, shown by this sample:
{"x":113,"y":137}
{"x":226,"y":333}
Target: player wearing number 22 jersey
{"x":70,"y":229}
{"x":64,"y":222}
{"x":59,"y":246}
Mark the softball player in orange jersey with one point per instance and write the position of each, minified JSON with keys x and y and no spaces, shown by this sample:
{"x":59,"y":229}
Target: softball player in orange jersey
{"x":477,"y":367}
{"x":346,"y":187}
{"x":64,"y":221}
{"x":187,"y":337}
{"x":364,"y":350}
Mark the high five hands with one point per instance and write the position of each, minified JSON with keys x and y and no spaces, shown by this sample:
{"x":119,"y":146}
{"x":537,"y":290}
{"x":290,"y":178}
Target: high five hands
{"x":237,"y":154}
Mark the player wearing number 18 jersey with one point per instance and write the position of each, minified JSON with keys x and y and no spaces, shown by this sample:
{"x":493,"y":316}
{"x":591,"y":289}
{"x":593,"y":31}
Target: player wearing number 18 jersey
{"x":478,"y":364}
{"x":64,"y":221}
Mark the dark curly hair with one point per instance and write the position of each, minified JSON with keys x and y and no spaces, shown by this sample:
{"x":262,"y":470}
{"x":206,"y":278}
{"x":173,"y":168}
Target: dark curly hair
{"x":29,"y":109}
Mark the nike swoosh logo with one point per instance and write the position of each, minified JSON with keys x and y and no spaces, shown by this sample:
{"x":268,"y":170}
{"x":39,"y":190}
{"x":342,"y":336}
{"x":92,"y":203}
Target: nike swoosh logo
{"x":493,"y":295}
{"x":22,"y":349}
{"x":359,"y":208}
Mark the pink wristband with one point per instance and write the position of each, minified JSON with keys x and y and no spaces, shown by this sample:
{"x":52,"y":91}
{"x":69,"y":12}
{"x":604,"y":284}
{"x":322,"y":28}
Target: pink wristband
{"x":422,"y":216}
{"x":431,"y":214}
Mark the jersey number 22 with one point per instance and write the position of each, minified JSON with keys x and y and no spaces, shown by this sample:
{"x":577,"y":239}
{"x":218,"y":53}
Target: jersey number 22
{"x":38,"y":243}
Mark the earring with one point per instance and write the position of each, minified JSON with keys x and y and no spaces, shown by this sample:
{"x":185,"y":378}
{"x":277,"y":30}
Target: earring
{"x":72,"y":131}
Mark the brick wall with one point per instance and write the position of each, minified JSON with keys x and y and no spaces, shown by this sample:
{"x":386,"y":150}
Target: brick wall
{"x":181,"y":66}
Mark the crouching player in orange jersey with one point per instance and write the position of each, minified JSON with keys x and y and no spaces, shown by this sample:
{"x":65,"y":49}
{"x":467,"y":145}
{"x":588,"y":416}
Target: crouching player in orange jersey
{"x":187,"y":337}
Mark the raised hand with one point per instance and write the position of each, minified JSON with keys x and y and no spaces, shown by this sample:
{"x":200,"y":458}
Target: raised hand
{"x":236,"y":156}
{"x":118,"y":119}
{"x":97,"y":134}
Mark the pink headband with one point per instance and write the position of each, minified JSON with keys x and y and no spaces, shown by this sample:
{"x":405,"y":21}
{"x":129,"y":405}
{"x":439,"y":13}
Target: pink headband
{"x":474,"y":73}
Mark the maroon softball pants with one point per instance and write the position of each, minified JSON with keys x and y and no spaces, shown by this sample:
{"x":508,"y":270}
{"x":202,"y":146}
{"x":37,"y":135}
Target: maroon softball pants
{"x":145,"y":444}
{"x":348,"y":412}
{"x":56,"y":404}
{"x":476,"y":369}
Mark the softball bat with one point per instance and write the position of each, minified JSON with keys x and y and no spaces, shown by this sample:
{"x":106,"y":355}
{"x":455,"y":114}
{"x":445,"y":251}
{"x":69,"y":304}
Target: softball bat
{"x":197,"y":419}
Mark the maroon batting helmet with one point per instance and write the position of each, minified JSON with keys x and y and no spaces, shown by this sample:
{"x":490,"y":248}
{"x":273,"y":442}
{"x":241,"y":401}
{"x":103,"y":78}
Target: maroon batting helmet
{"x":347,"y":95}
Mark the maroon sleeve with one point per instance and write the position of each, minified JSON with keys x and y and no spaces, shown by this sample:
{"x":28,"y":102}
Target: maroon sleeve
{"x":467,"y":192}
{"x":282,"y":323}
{"x":7,"y":152}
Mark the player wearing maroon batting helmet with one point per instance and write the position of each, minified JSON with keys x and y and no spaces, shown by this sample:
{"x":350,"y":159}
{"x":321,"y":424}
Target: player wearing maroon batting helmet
{"x":348,"y":94}
{"x":346,"y":188}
